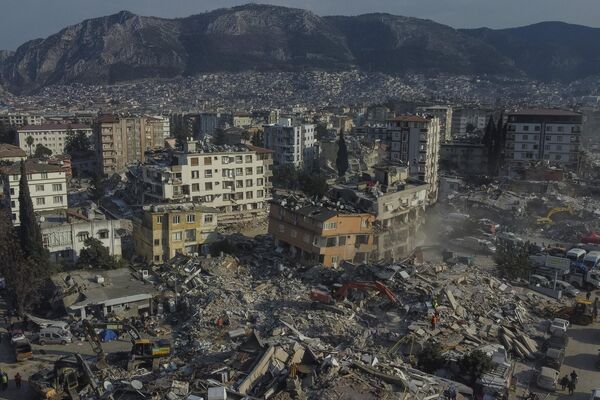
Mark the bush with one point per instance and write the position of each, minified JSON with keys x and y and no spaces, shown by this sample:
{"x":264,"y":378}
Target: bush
{"x":475,"y":364}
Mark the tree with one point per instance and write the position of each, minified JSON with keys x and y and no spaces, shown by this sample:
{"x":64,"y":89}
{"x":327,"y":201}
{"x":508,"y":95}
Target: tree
{"x":513,"y":260}
{"x":219,"y":136}
{"x":257,"y":140}
{"x":22,"y":276}
{"x":313,"y":184}
{"x":29,"y":141}
{"x":30,"y":234}
{"x":42,"y":151}
{"x":474,"y":364}
{"x":97,"y":187}
{"x":96,"y":256}
{"x":321,"y":131}
{"x":430,"y":358}
{"x":341,"y":162}
{"x":77,"y":143}
{"x":7,"y":134}
{"x":285,"y":177}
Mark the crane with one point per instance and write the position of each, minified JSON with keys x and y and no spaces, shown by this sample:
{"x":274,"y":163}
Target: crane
{"x":547,"y":220}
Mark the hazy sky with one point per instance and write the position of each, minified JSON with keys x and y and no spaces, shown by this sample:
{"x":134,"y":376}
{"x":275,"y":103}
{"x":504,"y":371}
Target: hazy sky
{"x":22,"y":20}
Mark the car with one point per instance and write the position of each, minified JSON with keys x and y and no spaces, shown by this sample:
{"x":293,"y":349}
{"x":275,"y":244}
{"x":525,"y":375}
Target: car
{"x":554,"y":358}
{"x":547,"y":379}
{"x":558,"y":327}
{"x":16,"y":335}
{"x":567,"y":288}
{"x":595,"y":394}
{"x":539,"y":280}
{"x":556,"y":342}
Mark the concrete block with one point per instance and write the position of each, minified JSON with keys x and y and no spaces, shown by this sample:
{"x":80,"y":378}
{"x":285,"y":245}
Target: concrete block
{"x":217,"y":393}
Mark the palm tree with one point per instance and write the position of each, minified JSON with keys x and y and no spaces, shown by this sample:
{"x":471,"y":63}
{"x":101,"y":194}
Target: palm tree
{"x":29,"y":141}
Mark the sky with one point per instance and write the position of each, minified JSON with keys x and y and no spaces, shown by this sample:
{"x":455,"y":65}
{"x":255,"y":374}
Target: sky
{"x":22,"y":20}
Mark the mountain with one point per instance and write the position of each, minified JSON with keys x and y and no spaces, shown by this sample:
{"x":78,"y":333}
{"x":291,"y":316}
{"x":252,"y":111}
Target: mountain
{"x":125,"y":46}
{"x":548,"y":50}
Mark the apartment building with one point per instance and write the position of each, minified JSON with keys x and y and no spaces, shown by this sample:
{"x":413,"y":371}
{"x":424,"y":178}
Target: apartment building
{"x":444,"y":114}
{"x":19,"y":120}
{"x":464,"y":157}
{"x":47,"y":187}
{"x":292,"y":144}
{"x":467,"y":120}
{"x":165,"y":230}
{"x":551,"y":135}
{"x":415,"y":141}
{"x":52,"y":136}
{"x":11,"y":153}
{"x":242,"y":120}
{"x":234,"y":179}
{"x":316,"y":234}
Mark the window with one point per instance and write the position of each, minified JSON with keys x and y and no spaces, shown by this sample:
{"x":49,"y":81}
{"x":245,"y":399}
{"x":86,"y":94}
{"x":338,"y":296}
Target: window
{"x":248,"y":170}
{"x":15,"y":177}
{"x":331,"y":242}
{"x":559,"y":138}
{"x":208,"y":173}
{"x":57,"y":187}
{"x":12,"y":191}
{"x":39,"y":188}
{"x":259,"y":181}
{"x":190,"y":234}
{"x":259,"y":170}
{"x":176,"y":236}
{"x":342,"y":241}
{"x":191,"y":218}
{"x":537,"y":128}
{"x":157,"y":242}
{"x":260,"y":193}
{"x":194,"y":161}
{"x":195,"y":174}
{"x":208,"y":218}
{"x":195,"y":187}
{"x":44,"y":175}
{"x":248,"y":158}
{"x":549,"y":129}
{"x":281,"y":228}
{"x":364,"y":223}
{"x":103,"y":234}
{"x":82,"y":236}
{"x":548,"y":138}
{"x":525,"y":137}
{"x":239,"y":184}
{"x":329,"y":225}
{"x":249,"y":195}
{"x":58,"y":199}
{"x":238,"y":159}
{"x":524,"y":146}
{"x":207,"y":161}
{"x":159,"y":219}
{"x":40,"y":201}
{"x":248,"y":182}
{"x":561,"y":128}
{"x":45,"y":240}
{"x":525,"y":128}
{"x":208,"y":186}
{"x":175,"y":219}
{"x":362,"y":239}
{"x":156,"y":258}
{"x":239,"y":171}
{"x":225,"y":160}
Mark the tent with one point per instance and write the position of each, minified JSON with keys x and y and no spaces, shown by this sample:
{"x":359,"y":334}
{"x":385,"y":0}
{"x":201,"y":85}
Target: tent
{"x":108,"y":335}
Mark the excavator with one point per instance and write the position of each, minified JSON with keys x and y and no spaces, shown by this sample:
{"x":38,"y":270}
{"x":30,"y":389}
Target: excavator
{"x":581,"y":313}
{"x":547,"y":220}
{"x":342,"y":292}
{"x":144,"y":352}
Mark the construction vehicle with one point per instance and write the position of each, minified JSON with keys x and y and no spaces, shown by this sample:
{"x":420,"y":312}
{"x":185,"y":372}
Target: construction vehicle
{"x":547,"y":220}
{"x":144,"y":352}
{"x":70,"y":375}
{"x":22,"y":349}
{"x":341,"y":293}
{"x":579,"y":314}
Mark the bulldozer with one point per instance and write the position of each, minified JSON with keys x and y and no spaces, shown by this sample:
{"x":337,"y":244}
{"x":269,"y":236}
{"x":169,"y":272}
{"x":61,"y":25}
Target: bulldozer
{"x":547,"y":219}
{"x":581,"y":313}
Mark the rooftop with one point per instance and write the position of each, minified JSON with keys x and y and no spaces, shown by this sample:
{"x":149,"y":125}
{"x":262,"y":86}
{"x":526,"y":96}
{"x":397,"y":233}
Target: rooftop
{"x":547,"y":111}
{"x":52,"y":127}
{"x":409,"y":118}
{"x":9,"y":150}
{"x":160,"y":208}
{"x":31,"y":168}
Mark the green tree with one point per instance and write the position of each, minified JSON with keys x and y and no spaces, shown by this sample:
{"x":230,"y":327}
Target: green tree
{"x":42,"y":151}
{"x":257,"y":140}
{"x":430,"y":358}
{"x":285,"y":177}
{"x":341,"y":161}
{"x":313,"y":184}
{"x":23,"y":277}
{"x":30,"y":234}
{"x":97,"y":188}
{"x":29,"y":140}
{"x":512,"y":260}
{"x":474,"y":364}
{"x":96,"y":256}
{"x":77,"y":143}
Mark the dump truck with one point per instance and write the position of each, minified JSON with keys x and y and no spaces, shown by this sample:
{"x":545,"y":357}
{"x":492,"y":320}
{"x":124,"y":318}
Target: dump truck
{"x":581,"y":313}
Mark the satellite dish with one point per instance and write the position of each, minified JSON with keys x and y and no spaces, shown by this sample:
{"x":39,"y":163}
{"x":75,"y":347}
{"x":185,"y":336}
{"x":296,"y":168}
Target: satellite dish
{"x":108,"y":386}
{"x":137,"y":385}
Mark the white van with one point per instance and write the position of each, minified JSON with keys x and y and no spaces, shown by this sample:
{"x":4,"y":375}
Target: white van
{"x":54,"y":335}
{"x":592,"y":260}
{"x":576,"y":255}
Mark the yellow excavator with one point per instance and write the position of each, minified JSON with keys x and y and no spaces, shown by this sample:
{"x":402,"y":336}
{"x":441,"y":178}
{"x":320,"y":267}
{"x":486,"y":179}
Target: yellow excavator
{"x":547,"y":220}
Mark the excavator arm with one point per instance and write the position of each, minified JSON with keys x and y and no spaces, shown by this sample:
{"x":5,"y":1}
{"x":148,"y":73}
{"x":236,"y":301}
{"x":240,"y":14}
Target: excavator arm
{"x":94,"y":340}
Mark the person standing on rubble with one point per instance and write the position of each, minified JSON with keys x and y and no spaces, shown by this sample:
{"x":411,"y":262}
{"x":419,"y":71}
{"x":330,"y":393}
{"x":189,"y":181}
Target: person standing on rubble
{"x":434,"y":320}
{"x":571,"y":387}
{"x":564,"y":382}
{"x":18,"y":381}
{"x":588,"y":295}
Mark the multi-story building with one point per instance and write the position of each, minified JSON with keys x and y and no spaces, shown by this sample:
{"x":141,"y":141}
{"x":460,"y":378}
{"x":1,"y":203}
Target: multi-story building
{"x":124,"y":139}
{"x":18,"y":120}
{"x":242,"y":119}
{"x":292,"y":144}
{"x":47,"y":187}
{"x":444,"y":114}
{"x":316,"y":234}
{"x":466,"y":158}
{"x":415,"y":141}
{"x":51,"y":136}
{"x":11,"y":153}
{"x":234,"y":179}
{"x":208,"y":123}
{"x":64,"y":233}
{"x":551,"y":135}
{"x":467,"y":120}
{"x":165,"y":230}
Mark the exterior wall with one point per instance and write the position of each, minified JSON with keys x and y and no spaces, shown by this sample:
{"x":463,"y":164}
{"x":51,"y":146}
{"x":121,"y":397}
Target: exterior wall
{"x":162,"y":232}
{"x":48,"y":191}
{"x":554,"y":138}
{"x":19,"y":120}
{"x":236,"y":183}
{"x":466,"y":158}
{"x":242,"y":121}
{"x":344,"y":237}
{"x":444,"y":114}
{"x":65,"y":241}
{"x":463,"y":117}
{"x":295,"y":145}
{"x":54,"y":137}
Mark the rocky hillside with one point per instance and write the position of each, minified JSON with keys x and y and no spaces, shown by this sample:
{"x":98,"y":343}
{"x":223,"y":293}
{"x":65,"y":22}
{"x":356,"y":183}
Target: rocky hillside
{"x":125,"y":46}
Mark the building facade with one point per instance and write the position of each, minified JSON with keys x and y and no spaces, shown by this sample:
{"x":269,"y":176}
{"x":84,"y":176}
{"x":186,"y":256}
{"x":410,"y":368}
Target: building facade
{"x":11,"y":153}
{"x":314,"y":234}
{"x":292,"y":144}
{"x":415,"y":141}
{"x":444,"y":114}
{"x":19,"y":120}
{"x":235,"y":179}
{"x":551,"y":135}
{"x":464,"y":157}
{"x":165,"y":230}
{"x":467,"y":120}
{"x":52,"y":136}
{"x":47,"y":187}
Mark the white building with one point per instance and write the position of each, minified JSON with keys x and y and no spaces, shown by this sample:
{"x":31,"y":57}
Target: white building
{"x":19,"y":119}
{"x":444,"y":113}
{"x":467,"y":120}
{"x":64,"y":234}
{"x":234,"y":179}
{"x":551,"y":135}
{"x":292,"y":144}
{"x":415,"y":141}
{"x":11,"y":153}
{"x":47,"y":187}
{"x":52,"y":136}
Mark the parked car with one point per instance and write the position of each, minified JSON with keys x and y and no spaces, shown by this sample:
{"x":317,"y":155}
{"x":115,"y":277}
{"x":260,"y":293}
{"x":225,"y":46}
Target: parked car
{"x":595,"y":394}
{"x":54,"y":335}
{"x":539,"y":280}
{"x":558,"y":327}
{"x":16,"y":335}
{"x":547,"y":379}
{"x":553,"y":358}
{"x":556,"y":342}
{"x":567,"y":289}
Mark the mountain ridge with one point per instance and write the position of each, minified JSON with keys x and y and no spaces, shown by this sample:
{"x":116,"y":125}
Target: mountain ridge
{"x":125,"y":46}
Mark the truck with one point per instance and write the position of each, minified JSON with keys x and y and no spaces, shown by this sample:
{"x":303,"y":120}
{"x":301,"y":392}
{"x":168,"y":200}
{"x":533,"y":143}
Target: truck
{"x":475,"y":244}
{"x":22,"y":349}
{"x":580,"y":277}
